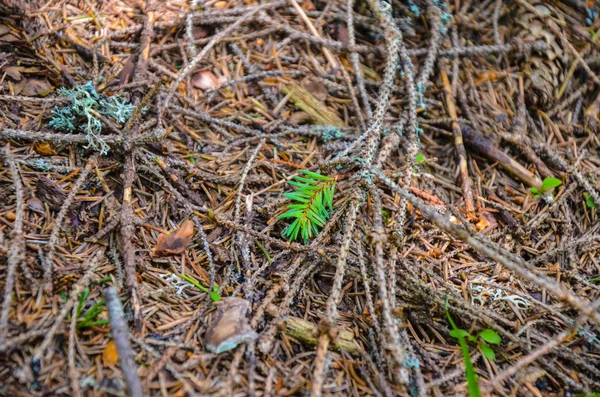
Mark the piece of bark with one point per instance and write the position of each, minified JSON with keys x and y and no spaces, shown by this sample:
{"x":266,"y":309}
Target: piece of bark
{"x":231,"y":327}
{"x":307,"y":333}
{"x":49,"y":192}
{"x":483,"y":146}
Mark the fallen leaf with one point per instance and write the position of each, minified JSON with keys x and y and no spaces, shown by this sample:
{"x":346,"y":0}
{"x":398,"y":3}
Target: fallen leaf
{"x":110,"y":356}
{"x":36,"y":205}
{"x":13,"y":72}
{"x":200,"y":32}
{"x":35,"y":87}
{"x":316,"y":88}
{"x":298,"y":118}
{"x":204,"y":80}
{"x":175,"y":243}
{"x":308,"y":6}
{"x":126,"y":74}
{"x":45,"y":148}
{"x":342,"y":34}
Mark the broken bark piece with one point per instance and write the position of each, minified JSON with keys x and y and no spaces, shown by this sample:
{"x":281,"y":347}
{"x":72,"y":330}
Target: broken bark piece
{"x":479,"y":144}
{"x":307,"y":333}
{"x":49,"y":192}
{"x":318,"y":111}
{"x":231,"y":327}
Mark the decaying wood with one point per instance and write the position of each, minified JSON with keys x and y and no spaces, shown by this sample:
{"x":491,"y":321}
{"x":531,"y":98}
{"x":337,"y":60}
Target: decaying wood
{"x":307,"y":332}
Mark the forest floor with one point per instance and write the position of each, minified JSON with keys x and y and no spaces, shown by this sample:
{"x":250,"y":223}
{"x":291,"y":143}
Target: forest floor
{"x":299,"y":198}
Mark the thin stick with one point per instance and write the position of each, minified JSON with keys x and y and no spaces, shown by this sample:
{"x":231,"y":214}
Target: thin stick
{"x":71,"y":354}
{"x":118,"y":329}
{"x":459,"y":144}
{"x":330,"y":58}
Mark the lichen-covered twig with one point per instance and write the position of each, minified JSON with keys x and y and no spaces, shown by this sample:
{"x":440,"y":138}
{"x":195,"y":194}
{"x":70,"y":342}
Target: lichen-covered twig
{"x":17,"y":247}
{"x":120,"y":334}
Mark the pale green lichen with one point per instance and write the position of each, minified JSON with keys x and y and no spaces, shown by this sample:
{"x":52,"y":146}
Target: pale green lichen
{"x":79,"y":114}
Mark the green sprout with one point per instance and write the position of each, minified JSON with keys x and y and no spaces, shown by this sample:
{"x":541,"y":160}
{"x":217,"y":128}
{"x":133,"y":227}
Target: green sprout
{"x":214,"y":295}
{"x":420,"y":158}
{"x":589,"y":200}
{"x":81,"y":114}
{"x":313,"y":195}
{"x":547,"y":186}
{"x":90,"y":317}
{"x":483,"y":341}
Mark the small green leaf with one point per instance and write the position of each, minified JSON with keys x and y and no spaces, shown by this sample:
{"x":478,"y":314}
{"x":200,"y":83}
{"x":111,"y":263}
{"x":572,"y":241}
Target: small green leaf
{"x":472,"y":384}
{"x":550,"y":183}
{"x":490,"y":336}
{"x":487,"y":351}
{"x":589,"y":200}
{"x":215,"y":294}
{"x":594,"y":280}
{"x":420,"y":158}
{"x":459,"y":333}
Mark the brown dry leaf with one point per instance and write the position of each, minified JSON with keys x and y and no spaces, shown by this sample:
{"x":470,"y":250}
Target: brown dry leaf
{"x":126,"y":74}
{"x":45,"y":148}
{"x":316,"y":88}
{"x":308,"y":6}
{"x":13,"y":72}
{"x":35,"y":204}
{"x":200,"y":32}
{"x":342,"y":34}
{"x":175,"y":243}
{"x":110,"y":356}
{"x":298,"y":118}
{"x":204,"y":80}
{"x":37,"y":87}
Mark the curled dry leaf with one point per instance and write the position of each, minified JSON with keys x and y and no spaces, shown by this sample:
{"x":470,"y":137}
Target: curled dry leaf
{"x":205,"y":80}
{"x":110,"y":356}
{"x":13,"y":72}
{"x":231,"y":327}
{"x":200,"y":32}
{"x":316,"y":88}
{"x":35,"y":204}
{"x":45,"y":148}
{"x":37,"y":87}
{"x":175,"y":243}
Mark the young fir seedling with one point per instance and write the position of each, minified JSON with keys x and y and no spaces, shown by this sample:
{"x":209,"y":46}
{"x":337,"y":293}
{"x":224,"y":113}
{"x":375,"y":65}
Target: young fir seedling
{"x":311,"y":201}
{"x":548,"y":185}
{"x":483,"y":339}
{"x":89,"y":318}
{"x":81,"y":114}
